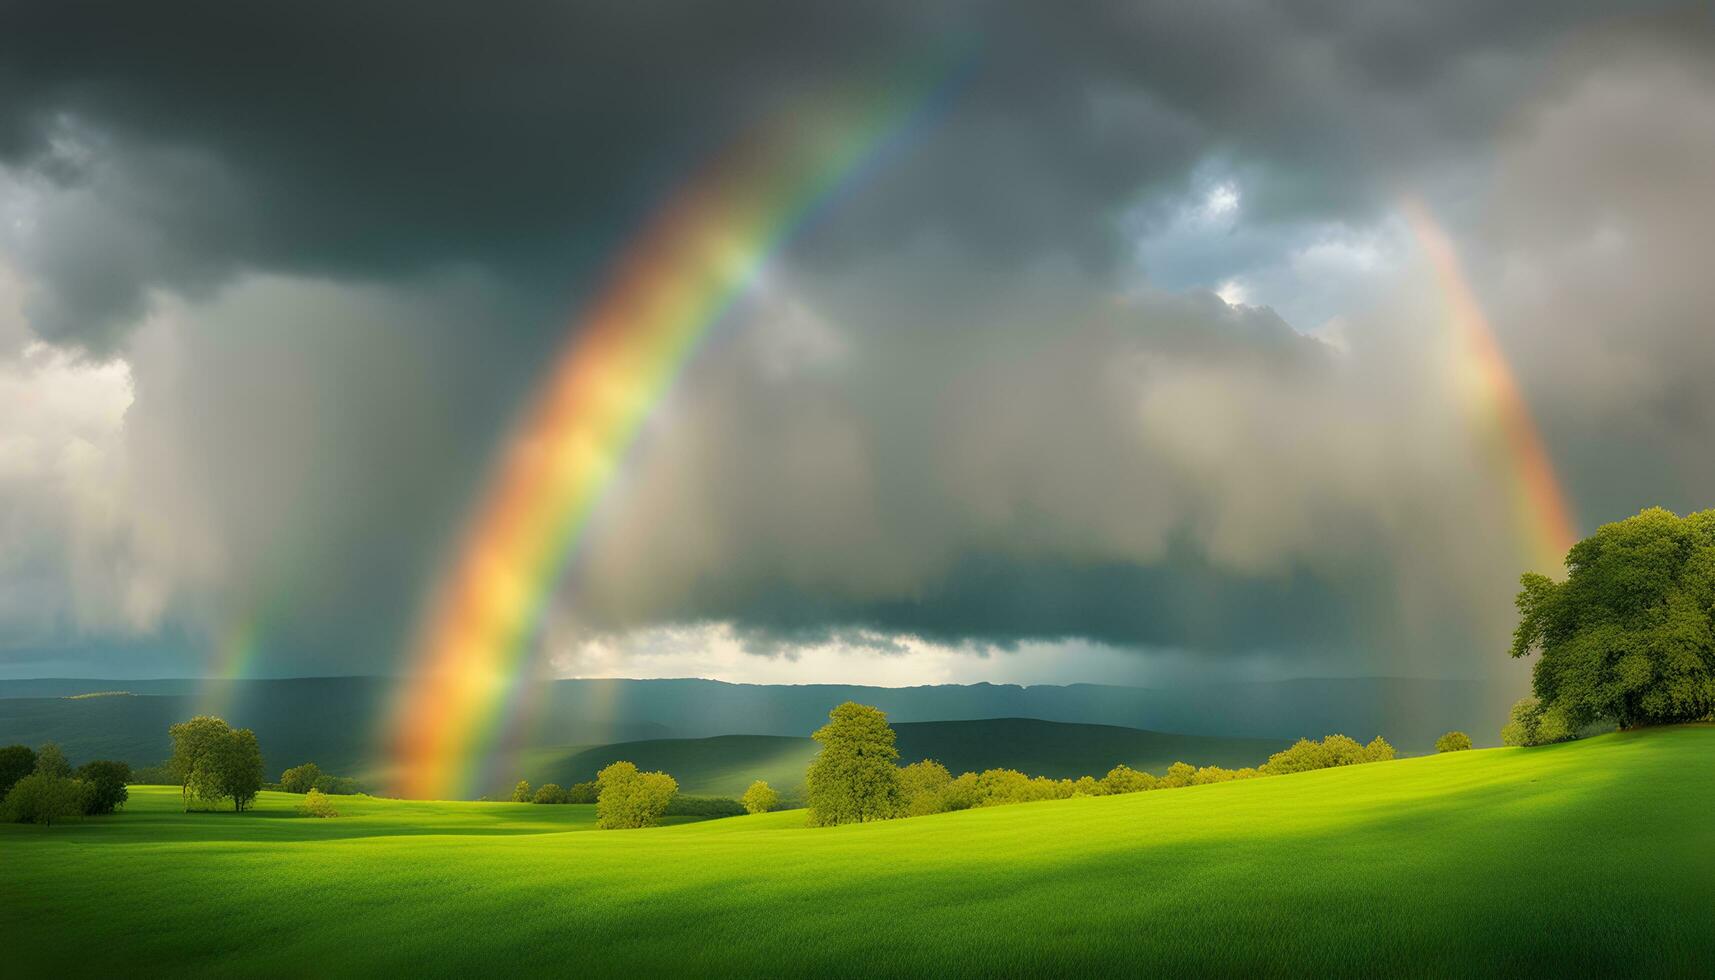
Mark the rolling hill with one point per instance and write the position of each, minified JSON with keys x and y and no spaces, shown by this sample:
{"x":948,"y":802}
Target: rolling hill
{"x":725,"y":764}
{"x":1591,"y":858}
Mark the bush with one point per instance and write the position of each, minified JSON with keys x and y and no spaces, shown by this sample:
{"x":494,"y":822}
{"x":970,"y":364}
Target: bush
{"x":16,"y":762}
{"x":43,"y":798}
{"x":1335,"y":750}
{"x":104,"y":785}
{"x":549,"y":793}
{"x":300,"y":779}
{"x":923,"y":788}
{"x":1530,"y":724}
{"x":628,"y":798}
{"x":521,"y":793}
{"x":1453,"y":742}
{"x":587,"y":792}
{"x":1124,"y":779}
{"x":50,"y":761}
{"x":761,"y":798}
{"x":1179,"y":774}
{"x":1378,"y":750}
{"x":317,"y":804}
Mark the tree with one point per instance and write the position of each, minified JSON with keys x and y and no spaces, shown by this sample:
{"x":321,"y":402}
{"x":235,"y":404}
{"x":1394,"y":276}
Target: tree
{"x":1454,"y":741}
{"x":193,"y":743}
{"x":43,"y":798}
{"x":241,"y":768}
{"x":629,"y":798}
{"x":1178,"y":774}
{"x":336,"y":785}
{"x":854,"y":778}
{"x":16,"y":762}
{"x":50,"y":761}
{"x":300,"y":779}
{"x":761,"y":798}
{"x":586,"y":792}
{"x":1531,"y":724}
{"x":521,"y":792}
{"x":1378,"y":750}
{"x":549,"y":793}
{"x":317,"y":804}
{"x":1124,"y":779}
{"x":104,"y":785}
{"x":922,"y":788}
{"x":1629,"y":637}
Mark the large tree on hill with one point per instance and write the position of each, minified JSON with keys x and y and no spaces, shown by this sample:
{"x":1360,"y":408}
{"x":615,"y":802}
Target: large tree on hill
{"x":214,"y":762}
{"x":855,"y":777}
{"x":1630,"y":635}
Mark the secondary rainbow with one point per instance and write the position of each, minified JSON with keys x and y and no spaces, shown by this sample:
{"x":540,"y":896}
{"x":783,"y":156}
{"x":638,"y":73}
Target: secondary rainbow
{"x":670,"y":287}
{"x":1495,"y":401}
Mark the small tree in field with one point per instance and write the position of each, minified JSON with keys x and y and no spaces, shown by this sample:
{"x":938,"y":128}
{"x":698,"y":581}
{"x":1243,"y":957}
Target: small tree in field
{"x":43,"y":798}
{"x":1378,"y":750}
{"x":628,"y":798}
{"x":300,"y":779}
{"x":317,"y":804}
{"x":923,"y":788}
{"x":1179,"y":774}
{"x":854,"y":778}
{"x":550,"y":793}
{"x":1453,"y":742}
{"x":104,"y":785}
{"x":760,"y":798}
{"x":194,"y":744}
{"x":521,"y":793}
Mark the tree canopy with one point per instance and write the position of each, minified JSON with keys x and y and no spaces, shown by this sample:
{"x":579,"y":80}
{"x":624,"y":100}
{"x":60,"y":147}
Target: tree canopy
{"x":1629,"y":636}
{"x":854,"y":778}
{"x":104,"y":785}
{"x":216,"y":762}
{"x":300,"y":779}
{"x":760,"y":798}
{"x":629,"y":798}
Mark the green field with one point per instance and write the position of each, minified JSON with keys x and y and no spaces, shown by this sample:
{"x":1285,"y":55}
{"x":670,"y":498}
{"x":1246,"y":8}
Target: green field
{"x":1586,"y":858}
{"x":725,"y":764}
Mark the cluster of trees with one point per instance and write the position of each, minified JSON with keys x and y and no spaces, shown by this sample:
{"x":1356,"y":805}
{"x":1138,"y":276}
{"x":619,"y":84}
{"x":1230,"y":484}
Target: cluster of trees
{"x":1629,"y":637}
{"x":554,"y":793}
{"x":855,"y":778}
{"x":309,"y":776}
{"x":40,"y":786}
{"x":626,"y":798}
{"x":1453,"y":742}
{"x":214,"y":761}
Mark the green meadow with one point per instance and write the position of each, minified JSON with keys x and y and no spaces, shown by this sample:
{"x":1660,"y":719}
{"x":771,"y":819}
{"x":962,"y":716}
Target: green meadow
{"x":1582,"y":858}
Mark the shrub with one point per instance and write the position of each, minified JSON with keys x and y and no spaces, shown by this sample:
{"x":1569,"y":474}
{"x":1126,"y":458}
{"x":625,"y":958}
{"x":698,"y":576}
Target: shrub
{"x":521,"y":793}
{"x":317,"y":804}
{"x":1178,"y":774}
{"x":549,"y":793}
{"x":300,"y":779}
{"x":43,"y":798}
{"x":1335,"y":750}
{"x":1378,"y":750}
{"x":961,"y":793}
{"x":854,"y":778}
{"x":628,"y":798}
{"x":1124,"y":779}
{"x":586,"y":792}
{"x":16,"y":762}
{"x":1088,"y":786}
{"x":1453,"y":742}
{"x":923,"y":788}
{"x":761,"y":798}
{"x":1530,"y":724}
{"x":104,"y":785}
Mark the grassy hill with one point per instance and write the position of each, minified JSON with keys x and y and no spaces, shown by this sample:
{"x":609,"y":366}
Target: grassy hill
{"x":725,"y":764}
{"x":1587,"y":858}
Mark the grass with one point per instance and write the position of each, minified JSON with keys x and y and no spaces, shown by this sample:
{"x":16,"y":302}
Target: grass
{"x":1589,"y":858}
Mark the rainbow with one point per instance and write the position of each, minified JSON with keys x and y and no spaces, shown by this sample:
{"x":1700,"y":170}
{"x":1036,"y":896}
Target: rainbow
{"x":1495,"y":402}
{"x":673,"y":284}
{"x":230,"y":660}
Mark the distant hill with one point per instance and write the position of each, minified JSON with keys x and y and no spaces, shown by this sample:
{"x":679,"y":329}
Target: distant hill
{"x":724,"y":765}
{"x":337,"y":721}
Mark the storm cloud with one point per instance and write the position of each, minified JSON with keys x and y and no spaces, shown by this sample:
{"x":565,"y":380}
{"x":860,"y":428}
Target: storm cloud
{"x":314,"y":259}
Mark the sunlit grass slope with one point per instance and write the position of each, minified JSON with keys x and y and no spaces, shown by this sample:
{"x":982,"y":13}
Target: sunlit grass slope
{"x":1589,"y":858}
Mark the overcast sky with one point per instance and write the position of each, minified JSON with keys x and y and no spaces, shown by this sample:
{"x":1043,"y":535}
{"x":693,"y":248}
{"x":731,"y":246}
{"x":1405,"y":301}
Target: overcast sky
{"x":1124,"y":365}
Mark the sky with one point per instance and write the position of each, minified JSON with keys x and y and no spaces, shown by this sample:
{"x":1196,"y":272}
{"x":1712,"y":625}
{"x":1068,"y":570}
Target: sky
{"x":1124,"y":362}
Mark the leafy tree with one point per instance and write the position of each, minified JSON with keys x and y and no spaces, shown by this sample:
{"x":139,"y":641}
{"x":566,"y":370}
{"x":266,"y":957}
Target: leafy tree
{"x":1531,"y":724}
{"x":586,"y":792}
{"x":241,"y":768}
{"x":300,"y":779}
{"x":336,"y":785}
{"x":1629,"y":637}
{"x":1124,"y":779}
{"x":16,"y":762}
{"x":43,"y":798}
{"x":1089,"y":786}
{"x":628,"y":798}
{"x":1454,"y":741}
{"x":1378,"y":750}
{"x":549,"y":793}
{"x":922,"y":788}
{"x":961,"y":793}
{"x":317,"y":804}
{"x":761,"y":798}
{"x":521,"y":792}
{"x":194,"y":744}
{"x":50,"y":761}
{"x":104,"y":785}
{"x":1178,"y":774}
{"x":854,"y":778}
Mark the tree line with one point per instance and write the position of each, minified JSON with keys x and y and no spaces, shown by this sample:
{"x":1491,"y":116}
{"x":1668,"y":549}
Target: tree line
{"x":40,"y":785}
{"x":855,"y":778}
